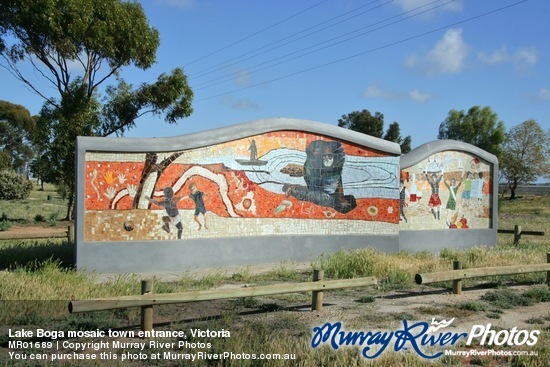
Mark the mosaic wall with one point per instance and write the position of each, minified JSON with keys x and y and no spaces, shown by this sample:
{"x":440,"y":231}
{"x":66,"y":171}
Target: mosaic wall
{"x":278,"y":183}
{"x":448,"y":190}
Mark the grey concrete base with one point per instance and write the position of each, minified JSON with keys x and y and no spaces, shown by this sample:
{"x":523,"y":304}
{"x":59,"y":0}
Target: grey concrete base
{"x":142,"y":257}
{"x":436,"y":240}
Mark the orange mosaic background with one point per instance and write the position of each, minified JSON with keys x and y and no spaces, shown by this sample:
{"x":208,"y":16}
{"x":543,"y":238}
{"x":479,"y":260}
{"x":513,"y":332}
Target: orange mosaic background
{"x":108,"y":183}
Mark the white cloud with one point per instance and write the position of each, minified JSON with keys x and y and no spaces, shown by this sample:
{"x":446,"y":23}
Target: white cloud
{"x":377,"y":92}
{"x":523,"y":58}
{"x":242,"y":76}
{"x":240,"y":104}
{"x":407,"y":5}
{"x":417,"y":96}
{"x":448,"y":56}
{"x":544,"y":94}
{"x":496,"y":57}
{"x":449,"y":53}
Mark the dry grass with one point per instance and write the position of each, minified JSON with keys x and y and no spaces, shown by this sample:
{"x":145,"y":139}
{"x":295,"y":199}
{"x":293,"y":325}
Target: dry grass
{"x":39,"y":287}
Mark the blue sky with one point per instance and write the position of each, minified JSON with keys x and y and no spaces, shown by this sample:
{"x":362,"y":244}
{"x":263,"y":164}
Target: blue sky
{"x":412,"y":60}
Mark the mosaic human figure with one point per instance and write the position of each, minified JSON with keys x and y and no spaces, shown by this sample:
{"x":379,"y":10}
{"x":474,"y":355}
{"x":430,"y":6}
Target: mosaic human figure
{"x":467,"y":191}
{"x":323,"y":177}
{"x":453,"y":190}
{"x":435,"y":201}
{"x":253,"y":150}
{"x":170,"y":204}
{"x":200,"y":208}
{"x":478,"y":194}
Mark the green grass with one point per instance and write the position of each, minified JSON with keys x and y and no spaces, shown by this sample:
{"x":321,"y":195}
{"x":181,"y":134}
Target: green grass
{"x":37,"y":205}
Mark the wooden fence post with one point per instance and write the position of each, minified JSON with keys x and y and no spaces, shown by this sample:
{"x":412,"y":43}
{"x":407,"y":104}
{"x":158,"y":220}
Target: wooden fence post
{"x":146,"y":311}
{"x":70,"y":233}
{"x":548,"y":272}
{"x":457,"y":284}
{"x":317,"y":296}
{"x":517,"y":234}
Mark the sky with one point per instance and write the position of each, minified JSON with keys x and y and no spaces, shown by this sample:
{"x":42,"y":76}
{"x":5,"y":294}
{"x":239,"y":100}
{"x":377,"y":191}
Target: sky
{"x":411,"y":60}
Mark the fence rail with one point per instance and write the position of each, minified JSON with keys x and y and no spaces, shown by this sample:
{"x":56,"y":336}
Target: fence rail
{"x":518,"y":232}
{"x":458,"y":274}
{"x":148,"y":299}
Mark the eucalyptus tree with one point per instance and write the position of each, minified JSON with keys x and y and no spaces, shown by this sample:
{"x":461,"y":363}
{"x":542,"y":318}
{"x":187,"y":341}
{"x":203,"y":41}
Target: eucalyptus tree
{"x":365,"y":122}
{"x":525,"y":155}
{"x":16,"y":127}
{"x":478,"y":126}
{"x":78,"y":47}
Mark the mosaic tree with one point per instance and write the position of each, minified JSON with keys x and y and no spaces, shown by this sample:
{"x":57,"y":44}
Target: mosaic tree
{"x":149,"y":178}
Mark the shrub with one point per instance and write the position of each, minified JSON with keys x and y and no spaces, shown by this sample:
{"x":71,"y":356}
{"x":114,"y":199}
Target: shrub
{"x":39,"y":218}
{"x":13,"y":186}
{"x":471,"y":306}
{"x":538,"y":294}
{"x":4,"y":225}
{"x":506,"y":298}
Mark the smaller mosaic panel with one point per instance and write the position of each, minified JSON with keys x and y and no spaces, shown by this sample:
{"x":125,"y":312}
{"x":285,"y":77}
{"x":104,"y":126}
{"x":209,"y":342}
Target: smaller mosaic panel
{"x":448,"y":190}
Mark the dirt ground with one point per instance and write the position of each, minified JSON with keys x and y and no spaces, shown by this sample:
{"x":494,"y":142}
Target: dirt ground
{"x":44,"y":231}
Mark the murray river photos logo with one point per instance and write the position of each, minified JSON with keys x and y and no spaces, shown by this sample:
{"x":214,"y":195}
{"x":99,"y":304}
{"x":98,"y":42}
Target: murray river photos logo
{"x":419,"y":337}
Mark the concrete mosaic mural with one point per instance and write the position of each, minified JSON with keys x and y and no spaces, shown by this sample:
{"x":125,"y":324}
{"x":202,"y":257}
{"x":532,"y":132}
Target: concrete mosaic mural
{"x":276,"y":183}
{"x":447,"y":190}
{"x":272,"y":190}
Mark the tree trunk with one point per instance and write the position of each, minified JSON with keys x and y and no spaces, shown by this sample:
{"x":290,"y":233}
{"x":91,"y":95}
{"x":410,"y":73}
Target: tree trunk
{"x":512,"y":193}
{"x":70,"y":207}
{"x":513,"y":187}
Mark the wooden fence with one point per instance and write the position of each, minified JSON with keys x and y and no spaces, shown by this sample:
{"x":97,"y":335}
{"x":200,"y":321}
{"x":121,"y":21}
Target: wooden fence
{"x":458,"y":274}
{"x":518,"y":232}
{"x":148,"y":299}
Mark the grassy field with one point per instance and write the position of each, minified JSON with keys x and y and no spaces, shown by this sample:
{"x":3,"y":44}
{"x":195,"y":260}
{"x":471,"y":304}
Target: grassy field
{"x":43,"y":207}
{"x":38,"y":279}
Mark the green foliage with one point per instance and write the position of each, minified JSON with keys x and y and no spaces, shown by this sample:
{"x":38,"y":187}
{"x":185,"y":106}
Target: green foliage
{"x":394,"y":134}
{"x":506,"y":298}
{"x":102,"y":36}
{"x":4,"y":160}
{"x":13,"y":186}
{"x":16,"y":125}
{"x":4,"y":225}
{"x":364,"y":122}
{"x":472,"y":306}
{"x":538,"y":294}
{"x":366,"y":299}
{"x":479,"y":126}
{"x":39,"y":218}
{"x":373,"y":125}
{"x":525,"y":155}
